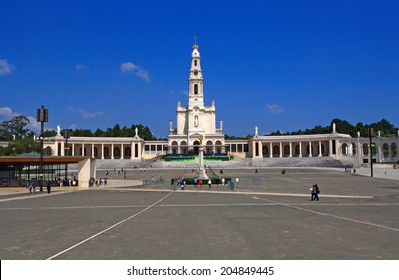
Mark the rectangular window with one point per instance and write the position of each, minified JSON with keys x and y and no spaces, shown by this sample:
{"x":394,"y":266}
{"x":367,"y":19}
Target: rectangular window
{"x":257,"y":149}
{"x":146,"y":148}
{"x":233,"y":148}
{"x":136,"y":150}
{"x":246,"y":148}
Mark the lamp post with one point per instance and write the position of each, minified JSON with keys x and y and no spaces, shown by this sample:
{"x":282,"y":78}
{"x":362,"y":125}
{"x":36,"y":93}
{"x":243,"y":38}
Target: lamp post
{"x":371,"y":151}
{"x":66,"y":151}
{"x":42,"y":117}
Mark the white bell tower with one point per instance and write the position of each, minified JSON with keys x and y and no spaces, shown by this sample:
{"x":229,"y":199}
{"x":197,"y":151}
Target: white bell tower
{"x":196,"y":81}
{"x":196,"y":121}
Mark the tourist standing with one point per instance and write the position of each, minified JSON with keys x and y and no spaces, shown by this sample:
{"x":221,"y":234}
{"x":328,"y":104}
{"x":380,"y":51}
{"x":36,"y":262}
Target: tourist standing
{"x":200,"y":183}
{"x":317,"y":191}
{"x":209,"y":183}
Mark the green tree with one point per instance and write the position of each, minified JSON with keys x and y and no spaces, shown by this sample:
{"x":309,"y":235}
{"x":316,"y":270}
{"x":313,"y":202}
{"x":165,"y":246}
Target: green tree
{"x":143,"y":131}
{"x":81,"y":133}
{"x":99,"y":133}
{"x":386,"y":128}
{"x":22,"y":146}
{"x":344,"y":127}
{"x":49,"y":133}
{"x":14,"y":127}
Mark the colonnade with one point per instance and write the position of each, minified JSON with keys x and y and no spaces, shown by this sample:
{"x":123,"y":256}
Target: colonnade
{"x":125,"y":150}
{"x":383,"y":149}
{"x":261,"y":148}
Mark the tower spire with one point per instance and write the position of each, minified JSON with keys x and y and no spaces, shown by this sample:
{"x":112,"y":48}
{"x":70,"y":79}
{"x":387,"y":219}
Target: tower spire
{"x":195,"y":43}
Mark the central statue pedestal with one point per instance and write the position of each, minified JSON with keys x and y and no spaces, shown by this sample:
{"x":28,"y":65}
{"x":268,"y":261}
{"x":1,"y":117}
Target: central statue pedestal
{"x":201,"y":170}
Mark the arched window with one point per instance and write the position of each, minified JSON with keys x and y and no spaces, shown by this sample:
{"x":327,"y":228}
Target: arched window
{"x":117,"y":152}
{"x":394,"y":151}
{"x":195,"y":89}
{"x":276,"y":151}
{"x":128,"y":152}
{"x":195,"y":62}
{"x":265,"y":151}
{"x":286,"y":150}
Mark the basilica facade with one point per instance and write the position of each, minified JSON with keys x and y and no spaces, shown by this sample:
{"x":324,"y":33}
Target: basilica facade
{"x":196,"y":125}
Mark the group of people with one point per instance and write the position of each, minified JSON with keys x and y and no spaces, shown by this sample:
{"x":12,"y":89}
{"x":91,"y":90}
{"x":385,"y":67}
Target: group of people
{"x":32,"y":187}
{"x":198,"y":183}
{"x":66,"y":182}
{"x":314,"y":191}
{"x":97,"y":182}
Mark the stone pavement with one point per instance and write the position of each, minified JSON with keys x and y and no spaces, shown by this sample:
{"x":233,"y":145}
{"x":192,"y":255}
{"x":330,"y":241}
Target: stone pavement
{"x":268,"y":216}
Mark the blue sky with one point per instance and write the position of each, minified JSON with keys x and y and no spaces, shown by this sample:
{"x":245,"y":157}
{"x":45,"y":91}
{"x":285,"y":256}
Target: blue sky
{"x":285,"y":65}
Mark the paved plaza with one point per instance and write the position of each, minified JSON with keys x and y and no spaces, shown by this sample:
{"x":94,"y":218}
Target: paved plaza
{"x":268,"y":215}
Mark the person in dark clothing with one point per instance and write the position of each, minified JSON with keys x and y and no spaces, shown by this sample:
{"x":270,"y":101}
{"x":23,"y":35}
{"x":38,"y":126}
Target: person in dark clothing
{"x":316,"y":192}
{"x":48,"y":187}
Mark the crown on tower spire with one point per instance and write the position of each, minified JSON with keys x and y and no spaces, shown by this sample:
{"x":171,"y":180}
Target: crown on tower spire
{"x":195,"y":46}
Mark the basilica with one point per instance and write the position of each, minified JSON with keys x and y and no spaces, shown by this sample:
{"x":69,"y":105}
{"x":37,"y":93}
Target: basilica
{"x":196,"y":125}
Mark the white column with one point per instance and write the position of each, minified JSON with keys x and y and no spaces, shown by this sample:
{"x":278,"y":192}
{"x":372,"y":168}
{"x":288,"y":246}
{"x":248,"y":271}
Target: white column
{"x":102,"y":151}
{"x":271,"y":149}
{"x":112,"y":151}
{"x":300,"y":149}
{"x":320,"y":153}
{"x":140,"y":153}
{"x":281,"y":149}
{"x":92,"y":150}
{"x":83,"y":150}
{"x":379,"y":151}
{"x":330,"y":148}
{"x":122,"y":154}
{"x":310,"y":149}
{"x":73,"y":149}
{"x":132,"y":150}
{"x":290,"y":149}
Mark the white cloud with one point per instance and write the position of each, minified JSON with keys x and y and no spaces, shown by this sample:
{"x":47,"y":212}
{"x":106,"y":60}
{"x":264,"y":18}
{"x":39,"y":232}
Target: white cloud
{"x":128,"y":67}
{"x":5,"y":67}
{"x":80,"y":67}
{"x":86,"y":114}
{"x":7,"y":113}
{"x":274,"y":109}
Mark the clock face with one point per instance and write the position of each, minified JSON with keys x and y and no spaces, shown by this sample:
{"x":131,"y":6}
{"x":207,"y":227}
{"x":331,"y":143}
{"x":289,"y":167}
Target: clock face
{"x":196,"y":73}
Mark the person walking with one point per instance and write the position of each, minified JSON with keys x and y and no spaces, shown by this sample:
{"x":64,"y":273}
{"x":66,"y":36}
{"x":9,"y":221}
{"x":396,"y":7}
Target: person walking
{"x":312,"y":193}
{"x":316,"y":192}
{"x":48,"y":187}
{"x":209,"y":184}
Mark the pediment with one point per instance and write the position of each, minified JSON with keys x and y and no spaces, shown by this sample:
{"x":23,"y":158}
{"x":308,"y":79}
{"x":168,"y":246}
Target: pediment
{"x":195,"y":136}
